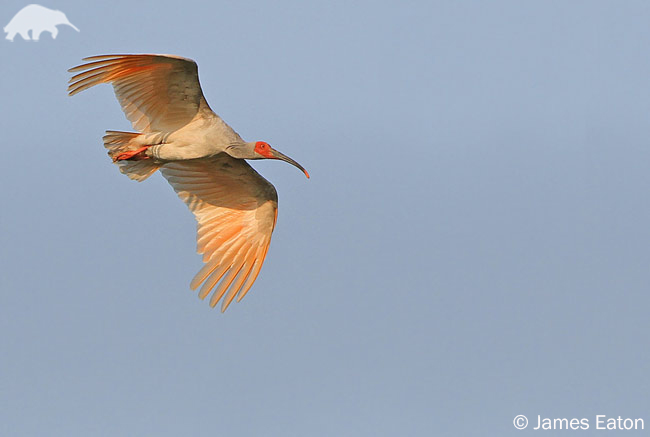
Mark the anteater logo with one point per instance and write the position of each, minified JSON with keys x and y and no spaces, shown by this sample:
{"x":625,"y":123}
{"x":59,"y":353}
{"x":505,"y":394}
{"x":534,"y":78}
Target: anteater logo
{"x":38,"y":19}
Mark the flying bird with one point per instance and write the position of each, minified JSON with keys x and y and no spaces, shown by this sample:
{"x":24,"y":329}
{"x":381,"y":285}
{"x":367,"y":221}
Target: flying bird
{"x":202,"y":158}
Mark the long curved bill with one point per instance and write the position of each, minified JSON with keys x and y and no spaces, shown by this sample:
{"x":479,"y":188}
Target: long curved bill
{"x":285,"y":158}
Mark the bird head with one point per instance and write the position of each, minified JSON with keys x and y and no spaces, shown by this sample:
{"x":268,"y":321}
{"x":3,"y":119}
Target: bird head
{"x":260,"y":150}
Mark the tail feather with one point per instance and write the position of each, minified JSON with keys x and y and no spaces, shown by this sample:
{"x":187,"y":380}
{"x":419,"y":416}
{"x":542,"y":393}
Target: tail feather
{"x":118,"y":142}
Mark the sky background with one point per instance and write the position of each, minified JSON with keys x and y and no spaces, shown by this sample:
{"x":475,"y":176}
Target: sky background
{"x":473,"y":243}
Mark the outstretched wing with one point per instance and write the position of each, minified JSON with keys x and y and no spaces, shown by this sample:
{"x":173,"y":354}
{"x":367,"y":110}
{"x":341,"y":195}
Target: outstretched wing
{"x":236,"y":209}
{"x":158,"y":93}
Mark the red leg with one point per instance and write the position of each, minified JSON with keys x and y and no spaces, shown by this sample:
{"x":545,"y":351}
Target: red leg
{"x":132,"y":154}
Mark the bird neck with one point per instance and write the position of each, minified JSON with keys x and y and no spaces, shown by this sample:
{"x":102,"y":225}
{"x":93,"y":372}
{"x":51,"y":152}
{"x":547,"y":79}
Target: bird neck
{"x":242,"y":150}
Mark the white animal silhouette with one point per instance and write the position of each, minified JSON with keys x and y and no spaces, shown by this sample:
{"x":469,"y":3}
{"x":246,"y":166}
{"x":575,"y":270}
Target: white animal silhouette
{"x":38,"y":19}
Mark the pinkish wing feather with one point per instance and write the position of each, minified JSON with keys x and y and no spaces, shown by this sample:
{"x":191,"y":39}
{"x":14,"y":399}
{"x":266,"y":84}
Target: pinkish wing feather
{"x":157,"y":92}
{"x":236,"y":209}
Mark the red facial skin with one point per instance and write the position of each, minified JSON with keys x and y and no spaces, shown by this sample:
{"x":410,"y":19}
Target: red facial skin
{"x":263,"y":149}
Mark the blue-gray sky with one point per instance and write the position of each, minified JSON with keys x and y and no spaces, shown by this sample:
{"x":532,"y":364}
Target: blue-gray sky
{"x":473,"y":243}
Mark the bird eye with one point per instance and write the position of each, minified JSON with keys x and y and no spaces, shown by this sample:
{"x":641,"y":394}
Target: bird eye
{"x":262,"y":148}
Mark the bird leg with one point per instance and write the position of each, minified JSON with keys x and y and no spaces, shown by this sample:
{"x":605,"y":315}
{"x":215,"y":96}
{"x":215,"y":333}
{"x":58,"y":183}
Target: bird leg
{"x":133,"y":155}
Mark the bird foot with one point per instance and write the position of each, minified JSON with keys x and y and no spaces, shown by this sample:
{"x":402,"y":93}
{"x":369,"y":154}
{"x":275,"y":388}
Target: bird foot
{"x":134,"y":155}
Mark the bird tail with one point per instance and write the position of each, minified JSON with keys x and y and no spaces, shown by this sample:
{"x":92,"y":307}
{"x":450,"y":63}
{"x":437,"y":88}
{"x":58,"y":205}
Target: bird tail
{"x":120,"y":142}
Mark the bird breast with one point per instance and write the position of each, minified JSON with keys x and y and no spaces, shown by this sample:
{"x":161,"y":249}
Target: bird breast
{"x":201,"y":138}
